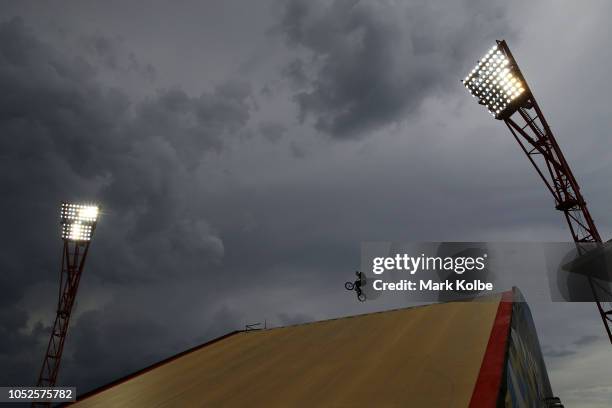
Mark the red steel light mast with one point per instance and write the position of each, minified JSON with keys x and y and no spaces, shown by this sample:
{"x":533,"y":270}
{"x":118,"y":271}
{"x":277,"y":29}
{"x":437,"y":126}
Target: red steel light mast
{"x":499,"y":85}
{"x":78,"y":223}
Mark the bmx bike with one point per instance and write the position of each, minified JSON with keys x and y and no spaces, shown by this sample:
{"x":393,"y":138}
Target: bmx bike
{"x":353,"y":286}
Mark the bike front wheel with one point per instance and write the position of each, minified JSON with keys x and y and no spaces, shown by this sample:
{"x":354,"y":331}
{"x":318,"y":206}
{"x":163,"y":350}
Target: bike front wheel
{"x":349,"y":286}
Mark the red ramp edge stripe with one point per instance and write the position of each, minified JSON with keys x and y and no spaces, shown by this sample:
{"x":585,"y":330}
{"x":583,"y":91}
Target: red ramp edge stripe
{"x":486,"y":389}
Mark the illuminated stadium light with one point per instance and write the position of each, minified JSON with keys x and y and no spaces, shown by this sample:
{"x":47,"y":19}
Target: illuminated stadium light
{"x":78,"y":221}
{"x":497,"y":83}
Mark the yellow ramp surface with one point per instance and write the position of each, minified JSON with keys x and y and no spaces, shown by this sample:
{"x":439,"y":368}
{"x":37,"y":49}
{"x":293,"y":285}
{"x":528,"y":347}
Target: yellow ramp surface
{"x":427,"y":356}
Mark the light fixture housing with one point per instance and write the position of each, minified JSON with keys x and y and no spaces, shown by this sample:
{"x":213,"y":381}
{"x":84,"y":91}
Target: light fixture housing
{"x":78,"y":221}
{"x":497,"y":82}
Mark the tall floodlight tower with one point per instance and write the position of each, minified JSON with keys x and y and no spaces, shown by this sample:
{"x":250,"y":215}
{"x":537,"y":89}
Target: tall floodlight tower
{"x":78,"y":223}
{"x":498,"y":84}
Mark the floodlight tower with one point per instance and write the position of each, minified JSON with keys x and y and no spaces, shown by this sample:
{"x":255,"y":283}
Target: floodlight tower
{"x":78,"y":223}
{"x":498,"y":84}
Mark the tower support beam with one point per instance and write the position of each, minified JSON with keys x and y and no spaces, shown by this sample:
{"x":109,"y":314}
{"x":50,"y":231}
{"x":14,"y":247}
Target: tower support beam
{"x":531,"y":131}
{"x":499,"y":85}
{"x":73,"y":261}
{"x":78,"y":221}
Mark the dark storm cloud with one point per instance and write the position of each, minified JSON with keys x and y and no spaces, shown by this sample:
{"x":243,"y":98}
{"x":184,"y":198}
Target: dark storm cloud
{"x":295,"y":72}
{"x":16,"y":358}
{"x":66,"y":136}
{"x":272,"y":131}
{"x":192,"y":126}
{"x":370,"y":63}
{"x":99,"y":340}
{"x":205,"y":230}
{"x":92,"y":346}
{"x":111,"y":53}
{"x":54,"y":112}
{"x":290,"y":319}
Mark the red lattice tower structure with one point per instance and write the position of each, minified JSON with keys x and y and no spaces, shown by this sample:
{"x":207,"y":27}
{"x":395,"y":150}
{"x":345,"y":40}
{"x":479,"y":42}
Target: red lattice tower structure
{"x":498,"y":84}
{"x":78,"y":223}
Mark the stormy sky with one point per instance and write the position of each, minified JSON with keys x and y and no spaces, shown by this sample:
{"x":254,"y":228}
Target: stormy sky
{"x":242,"y":151}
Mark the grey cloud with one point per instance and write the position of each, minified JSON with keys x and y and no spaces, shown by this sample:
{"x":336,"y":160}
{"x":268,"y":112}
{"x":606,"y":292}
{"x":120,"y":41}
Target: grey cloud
{"x":288,"y":319}
{"x":295,"y":72}
{"x":52,"y":102}
{"x":193,"y":125}
{"x":117,"y":342}
{"x":557,"y":352}
{"x":204,"y":230}
{"x":64,"y":135}
{"x":297,"y":150}
{"x":573,"y":348}
{"x":272,"y":131}
{"x":98,"y":340}
{"x":17,"y":344}
{"x":374,"y":62}
{"x":111,"y":53}
{"x":586,"y":340}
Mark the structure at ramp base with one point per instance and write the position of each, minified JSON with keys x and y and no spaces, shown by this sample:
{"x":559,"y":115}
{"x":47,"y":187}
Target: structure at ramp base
{"x":483,"y":353}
